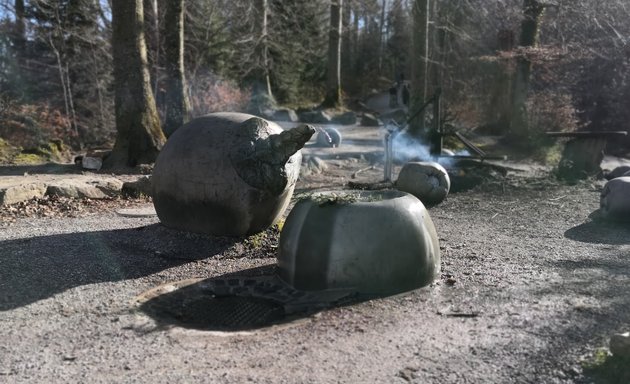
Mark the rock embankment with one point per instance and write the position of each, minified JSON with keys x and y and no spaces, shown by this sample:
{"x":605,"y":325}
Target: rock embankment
{"x":16,"y":189}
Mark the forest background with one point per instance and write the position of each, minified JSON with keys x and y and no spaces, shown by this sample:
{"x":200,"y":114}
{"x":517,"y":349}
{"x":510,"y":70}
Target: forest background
{"x":57,"y":77}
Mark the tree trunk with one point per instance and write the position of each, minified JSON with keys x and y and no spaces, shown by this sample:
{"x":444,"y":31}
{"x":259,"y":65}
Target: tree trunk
{"x":333,"y":86}
{"x":419,"y":64}
{"x":263,"y":10}
{"x":152,"y":38}
{"x":519,"y":124}
{"x":19,"y":39}
{"x":176,"y":103}
{"x":139,"y":136}
{"x":380,"y":37}
{"x":355,"y":40}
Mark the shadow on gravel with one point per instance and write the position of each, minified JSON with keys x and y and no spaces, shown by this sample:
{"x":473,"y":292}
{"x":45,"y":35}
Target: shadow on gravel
{"x":243,"y":301}
{"x":609,"y":369}
{"x":595,"y":298}
{"x":39,"y":169}
{"x":600,"y":232}
{"x":33,"y":269}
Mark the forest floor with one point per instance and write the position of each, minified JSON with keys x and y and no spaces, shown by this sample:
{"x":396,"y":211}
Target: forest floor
{"x":530,"y":291}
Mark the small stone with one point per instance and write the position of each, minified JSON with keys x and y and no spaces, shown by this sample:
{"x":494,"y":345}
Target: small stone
{"x":19,"y":193}
{"x":91,"y":163}
{"x":328,"y":137}
{"x":620,"y":345}
{"x":74,"y":190}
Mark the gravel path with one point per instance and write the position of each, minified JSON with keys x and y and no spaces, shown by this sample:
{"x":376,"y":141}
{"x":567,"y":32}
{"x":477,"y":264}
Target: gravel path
{"x":530,"y":287}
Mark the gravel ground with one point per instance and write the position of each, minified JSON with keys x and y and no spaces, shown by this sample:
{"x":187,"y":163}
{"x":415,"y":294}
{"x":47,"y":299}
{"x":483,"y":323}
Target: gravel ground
{"x":530,"y":289}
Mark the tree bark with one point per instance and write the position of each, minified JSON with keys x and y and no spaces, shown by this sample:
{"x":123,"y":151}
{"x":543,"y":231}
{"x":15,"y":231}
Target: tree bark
{"x":419,"y":64}
{"x":381,"y":25}
{"x":176,"y":103}
{"x":519,"y":123}
{"x":152,"y":39}
{"x":333,"y":86}
{"x":139,"y":136}
{"x":263,"y":11}
{"x":19,"y":39}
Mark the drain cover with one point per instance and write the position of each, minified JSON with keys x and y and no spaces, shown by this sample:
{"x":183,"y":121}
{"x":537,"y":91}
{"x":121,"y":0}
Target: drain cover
{"x":206,"y":311}
{"x":234,"y":312}
{"x":232,"y":303}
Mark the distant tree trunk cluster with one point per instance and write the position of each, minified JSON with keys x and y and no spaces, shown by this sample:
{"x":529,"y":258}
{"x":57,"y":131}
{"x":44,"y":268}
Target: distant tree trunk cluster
{"x":516,"y":67}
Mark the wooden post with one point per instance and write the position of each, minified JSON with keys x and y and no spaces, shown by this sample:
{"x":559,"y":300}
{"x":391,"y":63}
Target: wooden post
{"x":436,"y":131}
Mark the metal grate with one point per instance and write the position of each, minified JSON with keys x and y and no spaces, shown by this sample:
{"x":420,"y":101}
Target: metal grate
{"x":228,"y":312}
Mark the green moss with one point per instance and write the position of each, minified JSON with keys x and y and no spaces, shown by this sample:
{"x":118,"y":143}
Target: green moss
{"x":52,"y":151}
{"x":7,"y":152}
{"x":550,"y":155}
{"x":280,"y":224}
{"x":28,"y":159}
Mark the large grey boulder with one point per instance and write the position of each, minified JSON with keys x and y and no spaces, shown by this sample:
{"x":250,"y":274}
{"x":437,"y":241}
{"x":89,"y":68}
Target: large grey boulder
{"x":17,"y":193}
{"x":227,"y":174}
{"x":428,"y":181}
{"x":374,"y":243}
{"x":615,"y":199}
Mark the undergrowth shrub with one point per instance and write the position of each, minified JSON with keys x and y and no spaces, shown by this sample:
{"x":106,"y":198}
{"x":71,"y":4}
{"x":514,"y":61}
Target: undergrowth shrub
{"x":210,"y":94}
{"x":548,"y":111}
{"x":30,"y":126}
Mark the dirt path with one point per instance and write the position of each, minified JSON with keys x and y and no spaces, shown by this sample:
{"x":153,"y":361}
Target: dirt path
{"x":530,"y":287}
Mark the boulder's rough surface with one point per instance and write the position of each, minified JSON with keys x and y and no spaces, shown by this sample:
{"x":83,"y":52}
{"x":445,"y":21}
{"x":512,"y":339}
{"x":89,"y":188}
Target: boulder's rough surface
{"x":227,"y":174}
{"x":614,"y":200}
{"x":377,"y":243}
{"x":428,"y":181}
{"x":18,"y":193}
{"x":328,"y":137}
